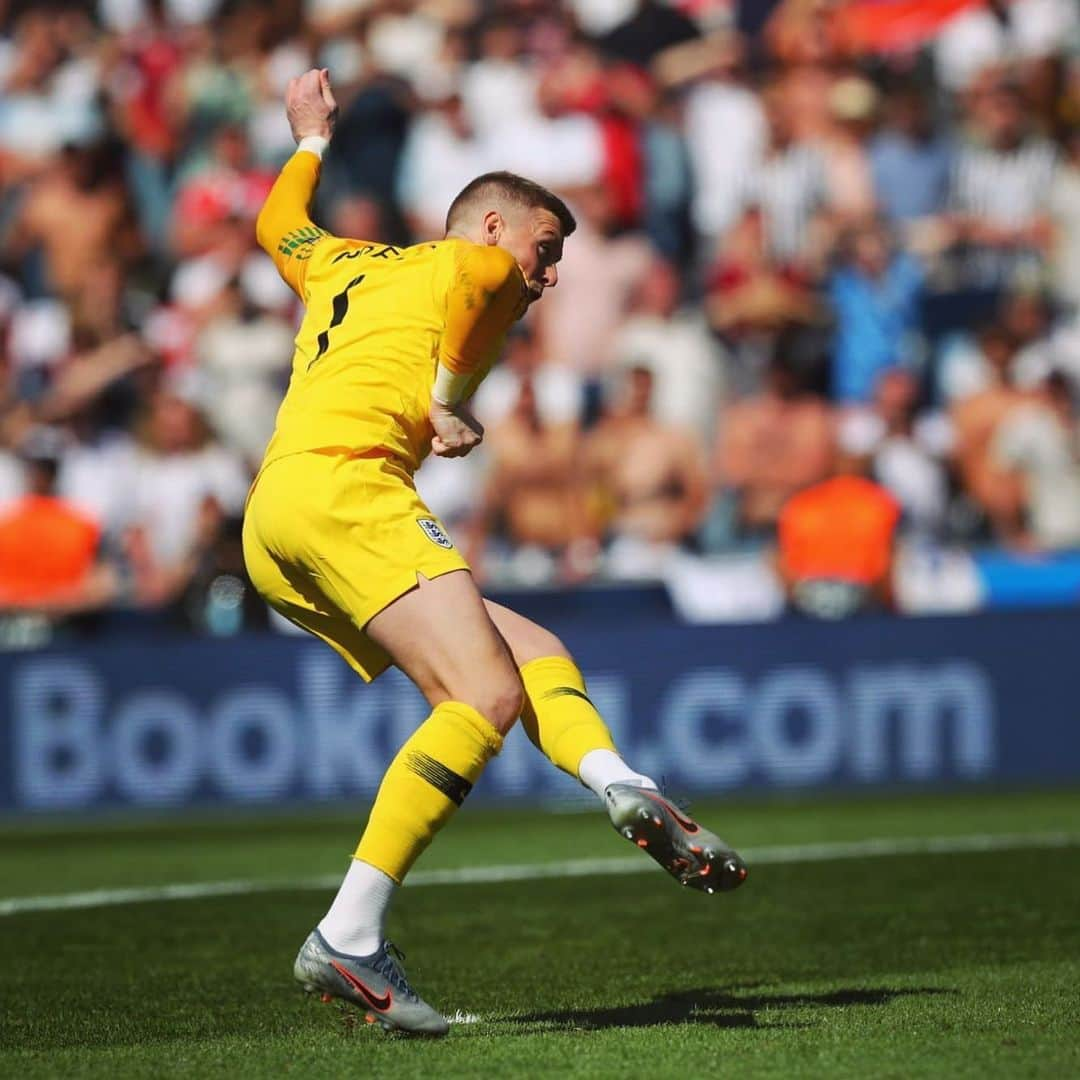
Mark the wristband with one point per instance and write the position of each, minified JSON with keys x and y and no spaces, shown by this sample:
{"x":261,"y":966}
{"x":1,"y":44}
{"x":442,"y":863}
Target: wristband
{"x":449,"y":388}
{"x":314,"y":144}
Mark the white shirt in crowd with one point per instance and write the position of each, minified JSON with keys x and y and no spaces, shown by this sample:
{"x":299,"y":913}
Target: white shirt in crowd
{"x":168,"y":491}
{"x":97,"y":479}
{"x":725,"y":139}
{"x":687,"y":366}
{"x":1033,"y":440}
{"x":437,"y":162}
{"x":910,"y":466}
{"x":975,"y":38}
{"x":246,"y":364}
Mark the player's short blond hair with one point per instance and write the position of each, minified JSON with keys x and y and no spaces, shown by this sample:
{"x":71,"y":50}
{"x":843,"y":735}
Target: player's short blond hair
{"x":508,"y":187}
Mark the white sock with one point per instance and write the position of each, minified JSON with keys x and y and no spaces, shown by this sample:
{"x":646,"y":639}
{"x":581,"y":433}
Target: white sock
{"x":354,"y":923}
{"x":599,"y":768}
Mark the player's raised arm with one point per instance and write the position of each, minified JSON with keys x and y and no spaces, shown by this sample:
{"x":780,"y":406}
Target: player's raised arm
{"x":284,"y":227}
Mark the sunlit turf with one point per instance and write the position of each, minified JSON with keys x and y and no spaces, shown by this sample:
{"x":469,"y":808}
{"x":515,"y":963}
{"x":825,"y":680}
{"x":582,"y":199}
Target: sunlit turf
{"x":944,"y":965}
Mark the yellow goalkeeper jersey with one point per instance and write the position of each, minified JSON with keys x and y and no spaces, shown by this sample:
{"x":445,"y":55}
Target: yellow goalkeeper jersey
{"x":379,"y":319}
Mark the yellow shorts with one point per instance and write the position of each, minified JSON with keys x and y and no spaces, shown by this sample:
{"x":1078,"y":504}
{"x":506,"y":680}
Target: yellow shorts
{"x":330,"y":539}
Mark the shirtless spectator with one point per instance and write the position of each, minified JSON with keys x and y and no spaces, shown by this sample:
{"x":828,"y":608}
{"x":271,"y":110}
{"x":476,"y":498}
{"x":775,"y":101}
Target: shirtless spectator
{"x":531,"y":496}
{"x":647,"y":478}
{"x":997,"y":491}
{"x":75,"y":220}
{"x":772,"y":445}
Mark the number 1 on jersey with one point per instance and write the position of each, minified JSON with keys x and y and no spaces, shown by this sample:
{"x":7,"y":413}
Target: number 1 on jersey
{"x":339,"y":310}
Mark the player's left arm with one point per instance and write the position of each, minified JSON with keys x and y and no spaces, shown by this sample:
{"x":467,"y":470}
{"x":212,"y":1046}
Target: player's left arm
{"x":284,"y":227}
{"x":487,"y":296}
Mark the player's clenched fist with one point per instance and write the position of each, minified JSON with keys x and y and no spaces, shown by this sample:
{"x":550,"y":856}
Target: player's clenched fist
{"x":310,"y":105}
{"x":457,"y":431}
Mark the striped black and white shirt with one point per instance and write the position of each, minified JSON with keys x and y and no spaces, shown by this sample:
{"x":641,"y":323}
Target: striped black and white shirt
{"x":1004,"y":187}
{"x":790,"y":188}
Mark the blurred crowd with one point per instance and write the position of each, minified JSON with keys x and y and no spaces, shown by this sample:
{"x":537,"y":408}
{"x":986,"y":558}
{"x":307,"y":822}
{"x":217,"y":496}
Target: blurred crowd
{"x":824,"y":294}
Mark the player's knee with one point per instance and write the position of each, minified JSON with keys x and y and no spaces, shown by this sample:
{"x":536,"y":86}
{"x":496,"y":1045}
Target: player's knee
{"x":500,"y":702}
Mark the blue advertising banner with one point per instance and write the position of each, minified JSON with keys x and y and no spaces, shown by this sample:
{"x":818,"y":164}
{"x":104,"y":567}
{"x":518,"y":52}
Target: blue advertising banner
{"x":871,"y":701}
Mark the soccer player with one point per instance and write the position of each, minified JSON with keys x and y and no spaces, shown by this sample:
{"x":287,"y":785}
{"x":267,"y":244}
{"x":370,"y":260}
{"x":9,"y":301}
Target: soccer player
{"x":393,"y":343}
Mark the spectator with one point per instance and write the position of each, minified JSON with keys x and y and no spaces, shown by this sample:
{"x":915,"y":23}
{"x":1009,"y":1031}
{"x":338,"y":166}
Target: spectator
{"x":836,"y":541}
{"x":647,"y":480}
{"x":75,"y":222}
{"x":876,"y":294}
{"x":976,"y":420}
{"x":1065,"y":214}
{"x":531,"y":496}
{"x":909,"y":161}
{"x":772,"y":445}
{"x":441,"y":155}
{"x":605,"y":267}
{"x":245,"y":355}
{"x":48,"y":92}
{"x":1000,"y":185}
{"x":184,"y":486}
{"x":90,"y":398}
{"x":1037,"y":445}
{"x":789,"y":185}
{"x":852,"y":104}
{"x":221,"y":199}
{"x":906,"y":451}
{"x":726,"y":133}
{"x":648,"y":30}
{"x":673,"y":341}
{"x":50,"y":558}
{"x":149,"y":63}
{"x":750,"y":300}
{"x":365,"y":157}
{"x":1025,"y":314}
{"x":995,"y":33}
{"x":499,"y":87}
{"x":453,"y":488}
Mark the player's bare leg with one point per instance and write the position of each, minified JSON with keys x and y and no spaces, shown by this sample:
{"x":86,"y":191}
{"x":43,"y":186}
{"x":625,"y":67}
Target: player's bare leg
{"x":441,"y":636}
{"x":564,"y":725}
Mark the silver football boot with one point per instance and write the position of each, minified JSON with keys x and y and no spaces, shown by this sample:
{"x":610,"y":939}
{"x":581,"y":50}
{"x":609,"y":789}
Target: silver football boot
{"x":691,"y":854}
{"x":375,"y":983}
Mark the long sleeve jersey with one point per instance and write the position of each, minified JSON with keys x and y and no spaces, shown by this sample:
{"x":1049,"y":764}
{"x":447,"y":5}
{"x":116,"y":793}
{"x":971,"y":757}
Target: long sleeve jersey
{"x":378,"y":320}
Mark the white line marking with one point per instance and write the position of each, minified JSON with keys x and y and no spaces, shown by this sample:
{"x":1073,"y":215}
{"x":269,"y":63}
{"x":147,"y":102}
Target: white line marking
{"x":776,"y":854}
{"x":461,"y":1017}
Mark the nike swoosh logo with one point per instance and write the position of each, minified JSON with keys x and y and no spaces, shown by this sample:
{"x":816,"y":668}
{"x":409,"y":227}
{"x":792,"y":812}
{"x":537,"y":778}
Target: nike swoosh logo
{"x":686,"y":824}
{"x":381,"y":1003}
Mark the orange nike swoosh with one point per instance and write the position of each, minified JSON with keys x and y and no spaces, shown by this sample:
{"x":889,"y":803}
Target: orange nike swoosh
{"x":381,"y":1003}
{"x":685,"y":823}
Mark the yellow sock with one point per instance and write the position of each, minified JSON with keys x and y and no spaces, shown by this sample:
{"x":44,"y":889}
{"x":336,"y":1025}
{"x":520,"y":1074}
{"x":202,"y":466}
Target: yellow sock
{"x":558,"y":715}
{"x":425,"y":783}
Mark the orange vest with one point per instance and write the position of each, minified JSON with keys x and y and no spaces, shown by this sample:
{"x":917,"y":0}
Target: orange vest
{"x":46,"y":549}
{"x":842,"y":528}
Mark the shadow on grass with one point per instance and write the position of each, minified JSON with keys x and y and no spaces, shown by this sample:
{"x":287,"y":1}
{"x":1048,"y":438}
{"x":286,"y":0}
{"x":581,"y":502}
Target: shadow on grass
{"x":706,"y":1006}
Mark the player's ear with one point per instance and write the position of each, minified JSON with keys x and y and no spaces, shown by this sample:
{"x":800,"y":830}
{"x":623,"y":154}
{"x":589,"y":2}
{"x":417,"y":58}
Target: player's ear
{"x":492,"y":227}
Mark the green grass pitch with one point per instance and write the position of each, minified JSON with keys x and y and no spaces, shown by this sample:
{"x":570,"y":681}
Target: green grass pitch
{"x":943,"y":965}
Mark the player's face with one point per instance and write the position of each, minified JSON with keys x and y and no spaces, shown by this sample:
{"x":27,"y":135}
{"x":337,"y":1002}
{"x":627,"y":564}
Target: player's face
{"x":534,"y":238}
